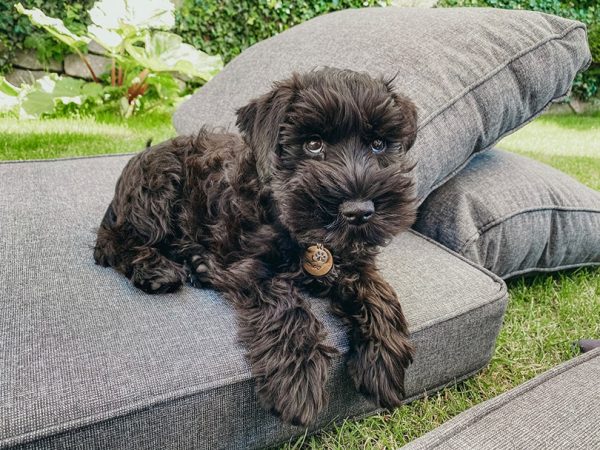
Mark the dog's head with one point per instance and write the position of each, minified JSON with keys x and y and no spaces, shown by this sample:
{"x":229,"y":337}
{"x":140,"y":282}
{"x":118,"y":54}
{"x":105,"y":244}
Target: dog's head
{"x":331,"y":144}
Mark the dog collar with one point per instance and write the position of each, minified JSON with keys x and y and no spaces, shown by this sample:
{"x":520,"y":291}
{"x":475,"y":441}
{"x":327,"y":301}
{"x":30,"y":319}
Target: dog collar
{"x":318,"y":261}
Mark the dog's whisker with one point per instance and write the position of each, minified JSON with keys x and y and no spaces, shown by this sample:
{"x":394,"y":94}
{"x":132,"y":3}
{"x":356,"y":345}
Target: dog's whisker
{"x":334,"y":224}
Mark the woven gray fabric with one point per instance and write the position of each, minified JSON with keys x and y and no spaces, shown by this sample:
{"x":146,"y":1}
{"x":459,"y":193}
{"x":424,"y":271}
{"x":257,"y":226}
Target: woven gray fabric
{"x":88,"y":361}
{"x":475,"y":74}
{"x":513,"y":215}
{"x":556,"y":410}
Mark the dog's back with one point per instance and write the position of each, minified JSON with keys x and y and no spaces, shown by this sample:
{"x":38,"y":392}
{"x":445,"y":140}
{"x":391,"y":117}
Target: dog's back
{"x":155,"y":195}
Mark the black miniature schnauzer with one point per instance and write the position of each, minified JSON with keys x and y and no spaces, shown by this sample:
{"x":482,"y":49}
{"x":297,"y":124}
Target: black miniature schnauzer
{"x":317,"y":182}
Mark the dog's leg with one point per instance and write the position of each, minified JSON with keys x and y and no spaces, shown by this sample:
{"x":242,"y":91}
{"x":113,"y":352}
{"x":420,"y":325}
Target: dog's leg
{"x":381,"y":350}
{"x":286,"y":353}
{"x":284,"y":340}
{"x":123,"y":248}
{"x":138,"y":227}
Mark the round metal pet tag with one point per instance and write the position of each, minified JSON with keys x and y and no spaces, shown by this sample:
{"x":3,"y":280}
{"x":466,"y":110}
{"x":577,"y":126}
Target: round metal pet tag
{"x":317,"y":260}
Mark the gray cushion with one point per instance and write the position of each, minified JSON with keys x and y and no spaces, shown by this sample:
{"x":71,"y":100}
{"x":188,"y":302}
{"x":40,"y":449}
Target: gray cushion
{"x":513,"y":215}
{"x":475,"y":74}
{"x":556,"y":410}
{"x":88,"y":361}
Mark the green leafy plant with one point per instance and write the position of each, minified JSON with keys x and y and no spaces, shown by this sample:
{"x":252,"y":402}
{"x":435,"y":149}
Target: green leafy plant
{"x":45,"y":95}
{"x":9,"y":97}
{"x":144,"y":57}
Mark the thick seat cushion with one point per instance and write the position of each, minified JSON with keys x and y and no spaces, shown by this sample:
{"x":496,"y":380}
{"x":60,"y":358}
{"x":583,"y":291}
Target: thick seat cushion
{"x":475,"y":74}
{"x":556,"y":410}
{"x":88,"y":361}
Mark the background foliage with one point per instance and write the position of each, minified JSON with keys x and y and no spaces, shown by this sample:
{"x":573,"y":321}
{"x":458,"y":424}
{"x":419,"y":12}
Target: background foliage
{"x":226,"y":27}
{"x":17,"y":32}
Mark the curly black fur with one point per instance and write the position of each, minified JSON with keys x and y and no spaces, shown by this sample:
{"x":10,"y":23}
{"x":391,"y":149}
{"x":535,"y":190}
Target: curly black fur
{"x":236,"y":213}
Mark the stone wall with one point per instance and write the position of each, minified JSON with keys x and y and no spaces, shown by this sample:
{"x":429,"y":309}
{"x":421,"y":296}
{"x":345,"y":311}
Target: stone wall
{"x":27,"y":68}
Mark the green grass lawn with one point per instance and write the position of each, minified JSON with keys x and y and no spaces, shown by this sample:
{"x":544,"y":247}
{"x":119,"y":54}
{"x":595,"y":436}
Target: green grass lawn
{"x":568,"y":142}
{"x":546,"y":314}
{"x":57,"y":138}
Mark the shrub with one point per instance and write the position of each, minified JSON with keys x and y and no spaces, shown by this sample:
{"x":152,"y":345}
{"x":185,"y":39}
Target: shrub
{"x":587,"y":84}
{"x":226,"y":27}
{"x":594,"y":40}
{"x":17,"y":32}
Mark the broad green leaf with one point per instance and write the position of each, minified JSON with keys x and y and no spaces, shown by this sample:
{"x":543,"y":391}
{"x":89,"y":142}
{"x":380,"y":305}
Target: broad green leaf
{"x":165,"y":85}
{"x":110,"y":40}
{"x":8,"y":88}
{"x":47,"y":91}
{"x":140,"y":14}
{"x":166,"y":52}
{"x":8,"y":103}
{"x":55,"y":27}
{"x":10,"y":96}
{"x":92,"y":89}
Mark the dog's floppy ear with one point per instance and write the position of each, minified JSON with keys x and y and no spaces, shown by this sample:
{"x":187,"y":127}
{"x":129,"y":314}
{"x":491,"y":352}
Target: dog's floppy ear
{"x":259,"y":122}
{"x":409,"y":120}
{"x":409,"y":114}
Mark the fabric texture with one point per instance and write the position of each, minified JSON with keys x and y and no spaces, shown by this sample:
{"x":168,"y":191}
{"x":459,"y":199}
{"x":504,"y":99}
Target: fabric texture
{"x":475,"y":74}
{"x":556,"y":410}
{"x":513,"y":215}
{"x":88,"y":361}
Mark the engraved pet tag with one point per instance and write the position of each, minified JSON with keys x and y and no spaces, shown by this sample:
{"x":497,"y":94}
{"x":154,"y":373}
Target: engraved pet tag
{"x":317,"y":260}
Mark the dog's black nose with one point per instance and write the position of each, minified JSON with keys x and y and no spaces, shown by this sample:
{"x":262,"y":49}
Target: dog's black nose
{"x":357,"y":212}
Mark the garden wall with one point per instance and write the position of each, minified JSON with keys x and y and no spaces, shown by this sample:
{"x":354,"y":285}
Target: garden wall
{"x":27,"y":67}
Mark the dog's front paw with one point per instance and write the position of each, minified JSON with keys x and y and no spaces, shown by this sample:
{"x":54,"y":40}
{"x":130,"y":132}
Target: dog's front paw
{"x":295,"y":390}
{"x":378,"y":369}
{"x":161,"y":277}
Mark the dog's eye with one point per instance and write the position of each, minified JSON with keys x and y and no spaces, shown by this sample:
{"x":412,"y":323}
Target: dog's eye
{"x":378,"y":145}
{"x":314,"y":145}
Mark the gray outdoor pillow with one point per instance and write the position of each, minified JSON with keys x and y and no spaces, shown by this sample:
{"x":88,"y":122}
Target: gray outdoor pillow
{"x":475,"y":74}
{"x":513,"y":215}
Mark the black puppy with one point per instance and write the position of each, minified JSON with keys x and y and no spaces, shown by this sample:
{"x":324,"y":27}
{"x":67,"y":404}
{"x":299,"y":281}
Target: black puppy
{"x":303,"y":199}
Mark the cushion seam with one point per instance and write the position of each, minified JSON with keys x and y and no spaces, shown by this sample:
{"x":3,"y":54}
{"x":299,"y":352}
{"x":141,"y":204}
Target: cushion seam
{"x":473,"y":265}
{"x":471,"y":88}
{"x":501,"y":295}
{"x":518,"y":391}
{"x":494,"y":223}
{"x":575,"y":26}
{"x":550,"y":269}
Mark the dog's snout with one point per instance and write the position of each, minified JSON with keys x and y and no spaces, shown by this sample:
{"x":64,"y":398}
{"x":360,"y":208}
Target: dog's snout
{"x":357,"y":212}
